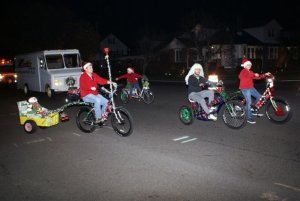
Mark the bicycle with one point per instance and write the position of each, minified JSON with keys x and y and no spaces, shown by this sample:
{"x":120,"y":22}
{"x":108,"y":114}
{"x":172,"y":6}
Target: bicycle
{"x":146,"y":94}
{"x":232,"y":111}
{"x":277,"y":108}
{"x":121,"y":119}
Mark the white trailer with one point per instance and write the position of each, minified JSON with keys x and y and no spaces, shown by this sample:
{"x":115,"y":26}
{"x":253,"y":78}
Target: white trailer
{"x":48,"y":70}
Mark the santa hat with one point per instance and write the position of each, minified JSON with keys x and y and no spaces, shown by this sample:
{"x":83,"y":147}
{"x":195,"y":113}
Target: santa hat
{"x":192,"y":71}
{"x":32,"y":100}
{"x":87,"y":65}
{"x":246,"y":62}
{"x":130,"y":69}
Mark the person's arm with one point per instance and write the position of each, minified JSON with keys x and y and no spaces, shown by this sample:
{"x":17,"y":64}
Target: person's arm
{"x":138,"y":75}
{"x":122,"y":77}
{"x":100,"y":80}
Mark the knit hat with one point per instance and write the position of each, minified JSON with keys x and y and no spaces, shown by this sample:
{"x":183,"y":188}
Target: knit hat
{"x":246,"y":62}
{"x":192,"y":71}
{"x":87,"y":65}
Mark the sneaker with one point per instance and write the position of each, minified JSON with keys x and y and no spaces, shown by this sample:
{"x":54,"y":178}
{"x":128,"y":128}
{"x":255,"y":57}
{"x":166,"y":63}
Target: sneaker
{"x":251,"y":121}
{"x":98,"y":121}
{"x":212,"y":117}
{"x":212,"y":109}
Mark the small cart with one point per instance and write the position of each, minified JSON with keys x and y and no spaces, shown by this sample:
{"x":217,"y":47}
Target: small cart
{"x":31,"y":117}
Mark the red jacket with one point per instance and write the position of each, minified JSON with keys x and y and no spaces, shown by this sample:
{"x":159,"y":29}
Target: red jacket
{"x":246,"y":79}
{"x":132,"y":77}
{"x":86,"y":83}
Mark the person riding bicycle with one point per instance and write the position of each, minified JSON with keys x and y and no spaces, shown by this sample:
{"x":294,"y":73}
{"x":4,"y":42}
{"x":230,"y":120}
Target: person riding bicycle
{"x":246,"y":86}
{"x":196,"y":81}
{"x":89,"y":91}
{"x":132,"y":79}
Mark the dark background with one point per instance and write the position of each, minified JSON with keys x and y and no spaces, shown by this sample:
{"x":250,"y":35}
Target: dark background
{"x":34,"y":25}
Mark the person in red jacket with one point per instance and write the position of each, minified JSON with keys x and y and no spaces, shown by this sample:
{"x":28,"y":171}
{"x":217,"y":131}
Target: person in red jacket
{"x":89,"y":91}
{"x":132,"y":79}
{"x":246,"y":77}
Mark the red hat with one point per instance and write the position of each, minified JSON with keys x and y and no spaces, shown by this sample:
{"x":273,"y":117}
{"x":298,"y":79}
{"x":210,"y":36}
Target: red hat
{"x":245,"y":62}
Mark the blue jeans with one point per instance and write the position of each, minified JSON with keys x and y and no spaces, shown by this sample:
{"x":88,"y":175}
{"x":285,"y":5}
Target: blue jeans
{"x":98,"y":101}
{"x":248,"y":93}
{"x":134,"y":85}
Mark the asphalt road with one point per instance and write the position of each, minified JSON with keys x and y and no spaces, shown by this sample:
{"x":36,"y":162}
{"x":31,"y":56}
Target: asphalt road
{"x":162,"y":160}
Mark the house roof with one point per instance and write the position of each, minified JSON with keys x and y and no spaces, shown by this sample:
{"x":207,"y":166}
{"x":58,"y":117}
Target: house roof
{"x":230,"y":37}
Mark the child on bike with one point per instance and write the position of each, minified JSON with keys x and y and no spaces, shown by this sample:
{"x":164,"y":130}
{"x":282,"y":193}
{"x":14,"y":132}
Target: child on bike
{"x":196,"y":92}
{"x":132,"y":79}
{"x":246,"y":77}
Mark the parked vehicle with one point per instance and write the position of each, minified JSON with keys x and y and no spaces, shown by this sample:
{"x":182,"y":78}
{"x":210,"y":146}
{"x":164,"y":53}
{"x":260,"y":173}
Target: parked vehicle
{"x":7,"y":72}
{"x":277,"y":108}
{"x":47,"y":71}
{"x":232,"y":111}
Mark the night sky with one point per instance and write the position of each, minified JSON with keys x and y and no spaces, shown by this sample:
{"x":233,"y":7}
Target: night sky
{"x":132,"y":18}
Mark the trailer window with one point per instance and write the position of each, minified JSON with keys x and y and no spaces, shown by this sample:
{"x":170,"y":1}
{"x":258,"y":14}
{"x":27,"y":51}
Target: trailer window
{"x":71,"y":60}
{"x":54,"y":61}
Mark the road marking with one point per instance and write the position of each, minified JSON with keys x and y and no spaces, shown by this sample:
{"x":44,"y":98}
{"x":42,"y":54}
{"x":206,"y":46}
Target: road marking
{"x":76,"y":134}
{"x":287,"y":186}
{"x":180,"y":138}
{"x":193,"y":139}
{"x":35,"y":141}
{"x":184,"y":139}
{"x":50,"y":139}
{"x":16,"y":145}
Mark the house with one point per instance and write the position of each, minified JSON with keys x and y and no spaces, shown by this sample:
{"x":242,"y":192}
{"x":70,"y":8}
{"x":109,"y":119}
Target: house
{"x":227,"y":47}
{"x":117,"y":47}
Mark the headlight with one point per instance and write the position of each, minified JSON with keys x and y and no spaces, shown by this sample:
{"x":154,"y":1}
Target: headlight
{"x":1,"y":77}
{"x":57,"y":83}
{"x":213,"y":78}
{"x":15,"y":76}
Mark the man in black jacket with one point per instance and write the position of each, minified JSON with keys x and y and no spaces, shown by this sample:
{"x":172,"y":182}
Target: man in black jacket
{"x":196,"y":91}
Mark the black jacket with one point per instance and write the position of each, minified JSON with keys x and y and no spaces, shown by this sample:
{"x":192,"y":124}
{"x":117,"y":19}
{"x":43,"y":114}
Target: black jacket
{"x":194,"y":83}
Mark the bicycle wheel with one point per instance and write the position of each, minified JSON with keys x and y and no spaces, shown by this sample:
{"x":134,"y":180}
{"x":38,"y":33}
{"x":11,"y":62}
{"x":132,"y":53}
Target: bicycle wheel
{"x":148,"y":96}
{"x":282,"y":114}
{"x":186,"y":115}
{"x":85,"y":119}
{"x":124,"y":96}
{"x":234,"y":114}
{"x":121,"y":122}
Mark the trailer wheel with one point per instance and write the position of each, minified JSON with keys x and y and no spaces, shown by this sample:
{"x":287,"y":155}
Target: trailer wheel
{"x":30,"y":126}
{"x":49,"y":92}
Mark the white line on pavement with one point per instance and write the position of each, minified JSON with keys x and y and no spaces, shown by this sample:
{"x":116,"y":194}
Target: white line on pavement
{"x":287,"y":186}
{"x":181,"y":138}
{"x":193,"y":139}
{"x":50,"y":139}
{"x":16,"y":145}
{"x":34,"y":141}
{"x":76,"y":134}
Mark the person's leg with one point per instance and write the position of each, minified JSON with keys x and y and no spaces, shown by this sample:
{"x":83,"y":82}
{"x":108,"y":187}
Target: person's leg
{"x":196,"y":96}
{"x":255,"y":94}
{"x":130,"y":89}
{"x":103,"y":102}
{"x":137,"y":86}
{"x":247,"y":95}
{"x":90,"y":98}
{"x":209,"y":94}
